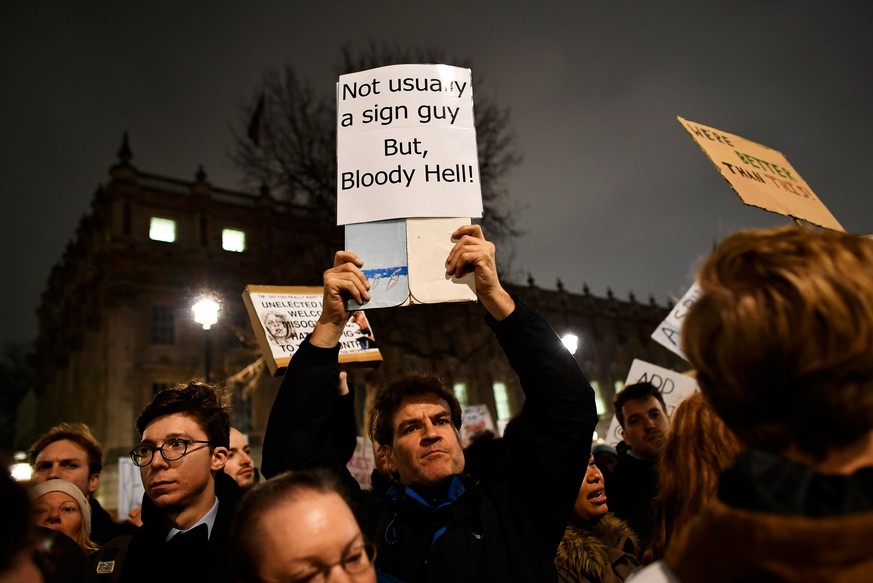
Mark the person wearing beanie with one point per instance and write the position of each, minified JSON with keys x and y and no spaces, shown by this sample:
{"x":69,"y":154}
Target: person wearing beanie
{"x":70,"y":451}
{"x":60,"y":505}
{"x":606,"y":459}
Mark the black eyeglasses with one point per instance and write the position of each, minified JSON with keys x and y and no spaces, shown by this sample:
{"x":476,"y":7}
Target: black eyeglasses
{"x":172,"y":450}
{"x":357,"y":561}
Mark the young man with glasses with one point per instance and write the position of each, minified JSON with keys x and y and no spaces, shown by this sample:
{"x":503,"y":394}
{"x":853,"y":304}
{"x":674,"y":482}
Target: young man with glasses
{"x":188,"y":501}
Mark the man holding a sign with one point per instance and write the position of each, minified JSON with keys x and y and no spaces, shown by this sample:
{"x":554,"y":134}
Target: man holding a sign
{"x":438,"y":525}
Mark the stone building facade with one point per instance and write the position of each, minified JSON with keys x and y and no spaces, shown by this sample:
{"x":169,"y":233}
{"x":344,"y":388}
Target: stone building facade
{"x":116,"y":323}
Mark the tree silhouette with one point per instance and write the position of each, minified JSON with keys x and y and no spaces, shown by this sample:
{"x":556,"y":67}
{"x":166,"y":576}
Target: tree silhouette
{"x":286,"y":142}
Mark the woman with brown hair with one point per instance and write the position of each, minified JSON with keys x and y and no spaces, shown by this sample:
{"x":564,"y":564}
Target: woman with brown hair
{"x":698,"y":447}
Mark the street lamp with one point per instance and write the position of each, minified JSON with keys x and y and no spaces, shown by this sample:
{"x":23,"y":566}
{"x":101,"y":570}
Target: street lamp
{"x":571,"y":341}
{"x":206,"y":314}
{"x":21,"y":470}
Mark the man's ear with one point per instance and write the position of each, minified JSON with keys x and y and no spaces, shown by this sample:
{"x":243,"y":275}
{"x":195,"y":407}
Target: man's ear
{"x":389,"y":457}
{"x":624,"y":437}
{"x":219,"y":458}
{"x":93,"y":481}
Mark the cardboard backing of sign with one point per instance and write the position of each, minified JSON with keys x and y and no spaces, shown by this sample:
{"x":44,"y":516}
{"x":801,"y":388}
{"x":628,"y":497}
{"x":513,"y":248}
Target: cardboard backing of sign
{"x":761,"y":176}
{"x":405,"y":262}
{"x":282,"y":317}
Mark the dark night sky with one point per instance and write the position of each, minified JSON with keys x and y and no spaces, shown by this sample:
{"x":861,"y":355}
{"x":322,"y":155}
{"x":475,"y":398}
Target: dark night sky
{"x":615,"y":192}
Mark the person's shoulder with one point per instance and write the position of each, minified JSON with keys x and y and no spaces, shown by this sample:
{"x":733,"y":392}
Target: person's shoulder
{"x":55,"y":552}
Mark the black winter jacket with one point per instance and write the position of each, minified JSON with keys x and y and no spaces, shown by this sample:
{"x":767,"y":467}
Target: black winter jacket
{"x":504,"y":528}
{"x":146,"y":556}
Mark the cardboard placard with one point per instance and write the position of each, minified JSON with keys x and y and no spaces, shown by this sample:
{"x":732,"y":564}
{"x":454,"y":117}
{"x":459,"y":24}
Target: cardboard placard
{"x":761,"y":176}
{"x":130,"y":488}
{"x":282,"y":316}
{"x":362,"y":463}
{"x":404,"y":260}
{"x":406,"y":144}
{"x":476,"y":419}
{"x":669,"y":332}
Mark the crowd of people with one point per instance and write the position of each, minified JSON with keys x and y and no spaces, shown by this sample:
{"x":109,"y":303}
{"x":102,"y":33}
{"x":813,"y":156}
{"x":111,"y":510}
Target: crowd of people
{"x":765,"y":475}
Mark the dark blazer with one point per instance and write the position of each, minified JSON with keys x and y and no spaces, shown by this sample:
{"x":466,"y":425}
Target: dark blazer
{"x":147,"y":556}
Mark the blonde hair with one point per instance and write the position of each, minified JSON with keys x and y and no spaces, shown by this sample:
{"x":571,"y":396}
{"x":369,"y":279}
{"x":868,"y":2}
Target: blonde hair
{"x":782,"y":337}
{"x":697,"y":449}
{"x":82,"y":538}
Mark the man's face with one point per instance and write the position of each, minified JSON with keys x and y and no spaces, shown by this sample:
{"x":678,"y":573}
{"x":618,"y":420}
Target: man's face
{"x":66,"y":460}
{"x":58,"y":511}
{"x":645,"y":426}
{"x":187,"y":482}
{"x":426,"y":446}
{"x":239,"y":464}
{"x":308,"y":535}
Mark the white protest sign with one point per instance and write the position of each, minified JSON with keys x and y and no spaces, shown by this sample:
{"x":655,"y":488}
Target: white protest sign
{"x":282,"y":316}
{"x":363,"y":463}
{"x":476,"y":419}
{"x":406,"y":144}
{"x":130,"y":488}
{"x":674,"y":388}
{"x":669,"y":332}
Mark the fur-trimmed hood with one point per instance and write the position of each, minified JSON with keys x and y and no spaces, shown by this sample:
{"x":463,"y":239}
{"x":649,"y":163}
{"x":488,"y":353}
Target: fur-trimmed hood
{"x":603,"y":553}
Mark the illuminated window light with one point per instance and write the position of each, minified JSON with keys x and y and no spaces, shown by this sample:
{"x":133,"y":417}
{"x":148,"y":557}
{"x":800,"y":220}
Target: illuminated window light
{"x":501,"y":400}
{"x":162,"y":230}
{"x":460,"y":390}
{"x":233,"y":240}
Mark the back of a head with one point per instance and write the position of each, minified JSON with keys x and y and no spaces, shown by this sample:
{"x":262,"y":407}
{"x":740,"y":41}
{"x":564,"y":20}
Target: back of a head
{"x":698,"y":448}
{"x":202,"y":402}
{"x":246,"y":533}
{"x":16,"y":535}
{"x":782,"y":338}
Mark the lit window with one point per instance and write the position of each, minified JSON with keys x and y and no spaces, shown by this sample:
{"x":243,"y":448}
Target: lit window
{"x":501,"y":400}
{"x":598,"y":399}
{"x":460,"y":390}
{"x":233,"y":240}
{"x":162,"y":230}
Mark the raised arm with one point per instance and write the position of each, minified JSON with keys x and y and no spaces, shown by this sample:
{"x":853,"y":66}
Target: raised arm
{"x":343,"y":281}
{"x":550,"y":440}
{"x":473,"y":253}
{"x":298,"y":434}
